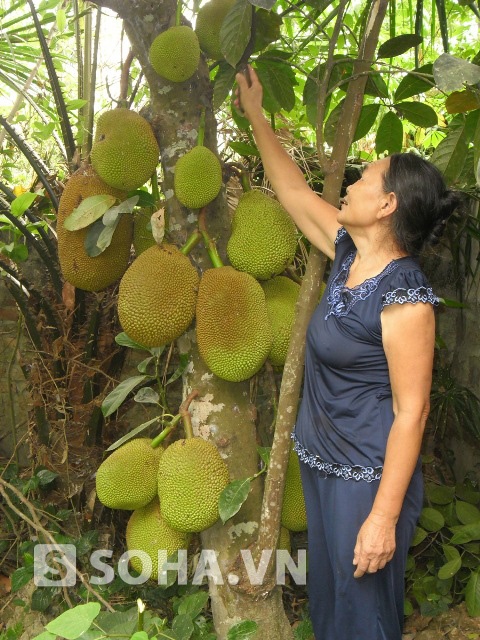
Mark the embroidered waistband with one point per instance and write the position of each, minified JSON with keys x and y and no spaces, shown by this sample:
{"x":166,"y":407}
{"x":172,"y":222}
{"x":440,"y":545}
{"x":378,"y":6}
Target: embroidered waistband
{"x":345,"y":471}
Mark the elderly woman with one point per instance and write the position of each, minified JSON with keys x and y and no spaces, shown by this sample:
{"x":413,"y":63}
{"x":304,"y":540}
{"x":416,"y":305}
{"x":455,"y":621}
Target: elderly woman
{"x":368,"y":368}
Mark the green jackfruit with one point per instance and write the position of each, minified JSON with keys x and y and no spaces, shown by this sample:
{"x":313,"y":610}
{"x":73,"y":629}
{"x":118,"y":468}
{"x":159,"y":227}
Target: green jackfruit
{"x":175,"y":53}
{"x":78,"y":268}
{"x":234,"y":334}
{"x":263,"y":239}
{"x":198,"y":177}
{"x":147,"y":531}
{"x":191,"y":477}
{"x":209,"y":21}
{"x":294,"y":514}
{"x":127,"y":479}
{"x":157,"y":296}
{"x":142,"y":231}
{"x":284,"y":540}
{"x":125,"y":150}
{"x":281,"y":295}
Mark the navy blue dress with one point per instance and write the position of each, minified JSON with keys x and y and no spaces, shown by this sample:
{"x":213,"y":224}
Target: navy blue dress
{"x":340,"y":436}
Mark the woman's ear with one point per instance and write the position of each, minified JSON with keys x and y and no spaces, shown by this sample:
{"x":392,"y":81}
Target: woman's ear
{"x":388,"y":205}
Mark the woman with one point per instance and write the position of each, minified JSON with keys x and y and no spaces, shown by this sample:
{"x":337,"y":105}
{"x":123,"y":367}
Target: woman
{"x":368,"y":366}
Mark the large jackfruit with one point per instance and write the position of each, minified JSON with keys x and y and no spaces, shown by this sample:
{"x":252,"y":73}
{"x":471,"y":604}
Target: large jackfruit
{"x":198,"y":177}
{"x":207,"y":27}
{"x":294,"y":514}
{"x":147,"y":531}
{"x":263,"y":239}
{"x":191,"y":477}
{"x":234,"y":334}
{"x":78,"y":268}
{"x":175,"y":53}
{"x":127,"y":479}
{"x":157,"y":296}
{"x":125,"y":151}
{"x":281,"y":295}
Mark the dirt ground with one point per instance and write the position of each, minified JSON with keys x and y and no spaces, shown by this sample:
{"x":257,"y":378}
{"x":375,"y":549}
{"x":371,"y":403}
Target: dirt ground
{"x":455,"y":624}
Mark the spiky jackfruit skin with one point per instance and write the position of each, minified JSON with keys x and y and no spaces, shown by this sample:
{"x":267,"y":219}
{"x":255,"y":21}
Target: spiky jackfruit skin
{"x":281,"y":295}
{"x":198,"y":177}
{"x":157,"y":296}
{"x":127,"y":479}
{"x":234,"y":334}
{"x":175,"y":53}
{"x":147,"y":531}
{"x":78,"y":268}
{"x":142,"y":232}
{"x":294,"y":514}
{"x":284,"y":540}
{"x":125,"y":151}
{"x":191,"y":477}
{"x":209,"y":21}
{"x":263,"y":239}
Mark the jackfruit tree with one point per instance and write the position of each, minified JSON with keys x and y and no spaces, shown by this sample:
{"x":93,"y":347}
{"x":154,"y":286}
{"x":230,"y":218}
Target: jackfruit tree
{"x":203,"y":319}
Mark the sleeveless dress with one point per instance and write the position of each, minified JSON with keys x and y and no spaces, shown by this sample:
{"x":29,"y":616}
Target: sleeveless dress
{"x":340,"y":436}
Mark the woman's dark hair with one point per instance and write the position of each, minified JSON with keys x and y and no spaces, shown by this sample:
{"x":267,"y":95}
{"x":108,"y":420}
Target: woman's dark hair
{"x":424,"y":203}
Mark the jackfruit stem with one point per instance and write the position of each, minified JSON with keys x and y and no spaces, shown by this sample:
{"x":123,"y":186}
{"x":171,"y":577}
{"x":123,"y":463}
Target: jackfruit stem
{"x":184,"y":412}
{"x":163,"y":434}
{"x":245,"y":181}
{"x":141,"y":612}
{"x":201,"y":129}
{"x":178,"y":14}
{"x":191,"y":242}
{"x":187,"y":426}
{"x":156,"y":190}
{"x":208,"y":242}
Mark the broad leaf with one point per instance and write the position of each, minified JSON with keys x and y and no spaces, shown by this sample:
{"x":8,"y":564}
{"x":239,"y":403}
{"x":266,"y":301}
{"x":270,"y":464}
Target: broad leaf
{"x":224,"y":81}
{"x":72,"y":623}
{"x":389,"y":134}
{"x":468,"y":494}
{"x":398,"y":45}
{"x":412,"y":85}
{"x":245,"y":630}
{"x":88,"y":211}
{"x":131,"y":434}
{"x":418,"y":113}
{"x":244,"y":149}
{"x":124,"y":341}
{"x":452,"y":73}
{"x":263,"y":4}
{"x":451,"y":553}
{"x":193,"y":604}
{"x":465,"y":533}
{"x":20,"y":577}
{"x":472,"y":594}
{"x":449,"y":569}
{"x":418,"y":537}
{"x":22,"y":202}
{"x":236,"y":31}
{"x":331,"y":125}
{"x":280,"y":79}
{"x":367,"y":118}
{"x":467,"y":513}
{"x":232,"y":498}
{"x":462,"y":101}
{"x":127,"y":206}
{"x":450,"y":154}
{"x":118,"y":395}
{"x":182,"y":626}
{"x":147,"y":395}
{"x":439,"y":494}
{"x":431,"y":519}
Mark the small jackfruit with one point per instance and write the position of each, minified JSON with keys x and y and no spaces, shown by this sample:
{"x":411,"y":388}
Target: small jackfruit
{"x":157,"y":296}
{"x":190,"y":480}
{"x":234,"y":334}
{"x":175,"y":53}
{"x":281,"y":295}
{"x":210,"y":17}
{"x":294,"y":513}
{"x":284,"y":540}
{"x":198,"y":177}
{"x":147,"y":531}
{"x":78,"y":268}
{"x":127,"y":479}
{"x":125,"y":151}
{"x":263,"y":239}
{"x":142,"y":231}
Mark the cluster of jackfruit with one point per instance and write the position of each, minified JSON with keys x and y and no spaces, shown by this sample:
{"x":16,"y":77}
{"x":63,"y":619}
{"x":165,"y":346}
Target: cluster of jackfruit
{"x":172,"y":492}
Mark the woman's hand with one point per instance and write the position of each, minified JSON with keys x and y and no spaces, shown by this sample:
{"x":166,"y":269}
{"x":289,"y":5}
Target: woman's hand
{"x":249,"y":93}
{"x":375,"y":544}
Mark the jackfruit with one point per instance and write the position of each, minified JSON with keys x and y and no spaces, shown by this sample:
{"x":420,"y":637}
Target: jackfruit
{"x":284,"y":540}
{"x":78,"y":268}
{"x":281,"y":295}
{"x":234,"y":334}
{"x":263,"y":239}
{"x":294,"y":514}
{"x":127,"y":479}
{"x":209,"y":21}
{"x":157,"y":296}
{"x":125,"y":151}
{"x":142,"y":231}
{"x":147,"y":531}
{"x":191,"y":477}
{"x":175,"y":53}
{"x":198,"y":177}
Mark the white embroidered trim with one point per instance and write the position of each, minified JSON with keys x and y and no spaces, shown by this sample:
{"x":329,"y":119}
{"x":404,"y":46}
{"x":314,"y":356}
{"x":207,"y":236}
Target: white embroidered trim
{"x":345,"y":471}
{"x":402,"y":295}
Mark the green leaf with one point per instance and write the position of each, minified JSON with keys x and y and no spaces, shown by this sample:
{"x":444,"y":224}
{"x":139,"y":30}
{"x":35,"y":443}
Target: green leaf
{"x":232,"y":498}
{"x":46,"y":476}
{"x":88,"y":211}
{"x":452,"y":73}
{"x":193,"y":604}
{"x":368,"y":115}
{"x":412,"y":85}
{"x":41,"y":599}
{"x":279,"y":77}
{"x":244,"y":149}
{"x":398,"y":45}
{"x":139,"y":635}
{"x":263,"y":4}
{"x":418,"y":537}
{"x":73,"y":105}
{"x":99,"y":236}
{"x":467,"y":513}
{"x":223,"y":83}
{"x":439,"y":494}
{"x":235,"y":31}
{"x":450,"y":154}
{"x":71,"y":624}
{"x":449,"y":569}
{"x":16,"y":252}
{"x":22,"y":203}
{"x":131,"y":434}
{"x":331,"y":125}
{"x":20,"y":577}
{"x":46,"y":635}
{"x":467,"y":494}
{"x":144,"y":364}
{"x":124,"y":341}
{"x":431,"y":519}
{"x":118,"y":395}
{"x":465,"y":533}
{"x":183,"y":627}
{"x":389,"y":134}
{"x":127,"y":206}
{"x":182,"y":365}
{"x":472,"y":594}
{"x":418,"y":113}
{"x":450,"y":552}
{"x":264,"y":453}
{"x":242,"y":630}
{"x":147,"y":395}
